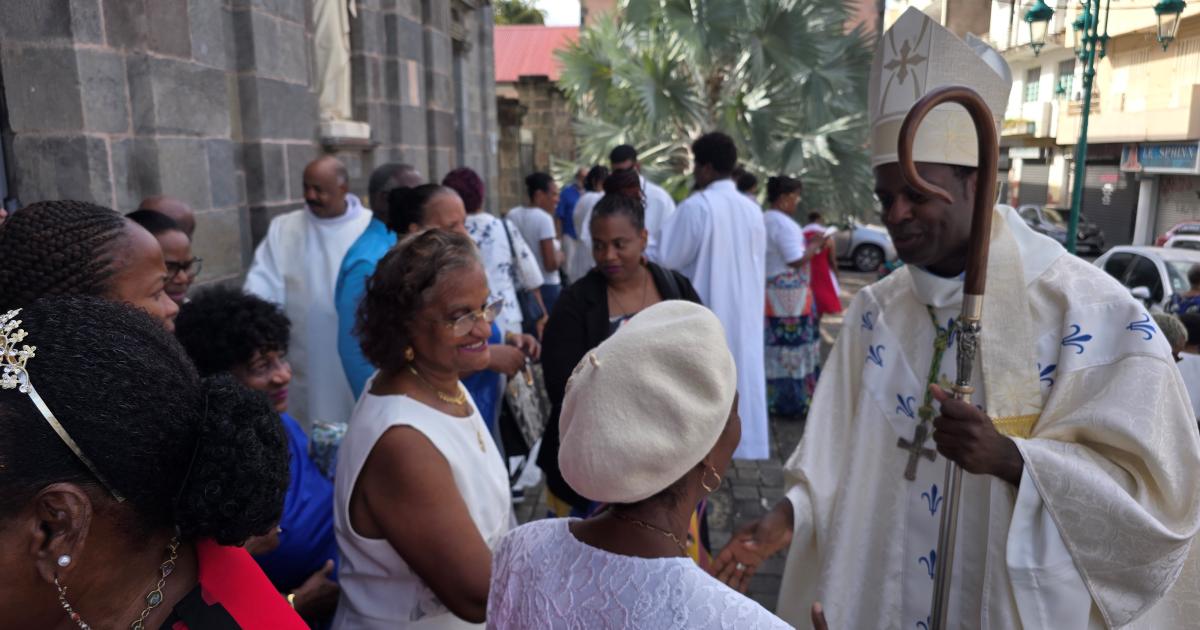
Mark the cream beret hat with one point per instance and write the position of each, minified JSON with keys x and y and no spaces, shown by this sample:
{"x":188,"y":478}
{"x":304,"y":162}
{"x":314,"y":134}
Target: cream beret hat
{"x":647,"y":404}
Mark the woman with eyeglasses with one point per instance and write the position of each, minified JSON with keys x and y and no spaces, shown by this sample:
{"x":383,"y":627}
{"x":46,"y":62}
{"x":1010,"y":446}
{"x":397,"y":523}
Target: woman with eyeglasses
{"x":66,"y":247}
{"x":420,"y":494}
{"x":228,"y":331}
{"x":182,"y":267}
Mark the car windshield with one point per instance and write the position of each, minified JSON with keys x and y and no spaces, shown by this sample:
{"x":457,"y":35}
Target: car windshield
{"x":1177,"y":270}
{"x":1054,"y":216}
{"x":1193,"y":245}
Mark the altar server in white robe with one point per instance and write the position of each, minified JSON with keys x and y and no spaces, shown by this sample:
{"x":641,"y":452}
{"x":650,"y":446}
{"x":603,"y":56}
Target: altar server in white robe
{"x":717,"y":238}
{"x":1081,"y":497}
{"x":296,"y":266}
{"x":659,"y":205}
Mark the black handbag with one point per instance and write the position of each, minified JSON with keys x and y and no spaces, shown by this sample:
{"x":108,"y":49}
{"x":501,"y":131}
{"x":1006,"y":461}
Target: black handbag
{"x":531,"y":309}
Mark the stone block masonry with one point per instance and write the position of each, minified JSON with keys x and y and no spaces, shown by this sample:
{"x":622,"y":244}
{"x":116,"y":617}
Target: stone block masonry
{"x":213,"y":101}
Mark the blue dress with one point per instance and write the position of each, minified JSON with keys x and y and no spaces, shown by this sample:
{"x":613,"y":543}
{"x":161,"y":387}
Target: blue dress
{"x":307,"y":539}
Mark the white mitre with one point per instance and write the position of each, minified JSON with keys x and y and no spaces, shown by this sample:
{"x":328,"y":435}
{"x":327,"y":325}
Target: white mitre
{"x":915,"y":57}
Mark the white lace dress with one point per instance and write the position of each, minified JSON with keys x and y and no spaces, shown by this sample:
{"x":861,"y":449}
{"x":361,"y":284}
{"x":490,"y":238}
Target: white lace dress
{"x":543,"y":577}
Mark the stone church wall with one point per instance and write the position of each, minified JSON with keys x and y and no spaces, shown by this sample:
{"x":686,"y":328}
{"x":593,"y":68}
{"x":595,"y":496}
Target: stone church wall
{"x":212,"y":101}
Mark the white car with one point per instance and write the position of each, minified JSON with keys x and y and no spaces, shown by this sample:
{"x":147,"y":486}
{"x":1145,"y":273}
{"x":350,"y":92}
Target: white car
{"x":1152,"y":274}
{"x":1184,"y":242}
{"x":866,"y":247}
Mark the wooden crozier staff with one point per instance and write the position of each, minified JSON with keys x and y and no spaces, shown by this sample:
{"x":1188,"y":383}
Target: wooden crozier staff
{"x":968,"y":325}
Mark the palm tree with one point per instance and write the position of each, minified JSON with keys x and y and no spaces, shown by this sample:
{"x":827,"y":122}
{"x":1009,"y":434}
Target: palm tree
{"x":780,"y":76}
{"x":518,"y":12}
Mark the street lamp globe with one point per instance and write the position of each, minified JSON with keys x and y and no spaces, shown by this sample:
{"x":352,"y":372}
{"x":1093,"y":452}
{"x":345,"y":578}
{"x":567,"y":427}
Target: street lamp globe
{"x":1038,"y":18}
{"x":1168,"y":12}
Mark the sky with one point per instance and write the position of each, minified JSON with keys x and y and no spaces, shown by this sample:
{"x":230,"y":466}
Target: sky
{"x":560,"y":12}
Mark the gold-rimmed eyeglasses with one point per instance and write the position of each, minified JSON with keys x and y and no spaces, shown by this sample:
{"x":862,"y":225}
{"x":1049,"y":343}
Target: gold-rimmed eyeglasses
{"x":461,"y":326}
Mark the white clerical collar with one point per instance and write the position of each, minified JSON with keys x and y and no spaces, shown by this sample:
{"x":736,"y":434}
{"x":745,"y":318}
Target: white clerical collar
{"x":354,"y":208}
{"x":1038,"y":252}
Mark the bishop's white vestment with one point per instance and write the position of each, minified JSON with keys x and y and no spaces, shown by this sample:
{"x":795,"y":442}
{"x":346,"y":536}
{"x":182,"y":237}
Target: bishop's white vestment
{"x":717,"y":239}
{"x":296,"y":266}
{"x":1075,"y":371}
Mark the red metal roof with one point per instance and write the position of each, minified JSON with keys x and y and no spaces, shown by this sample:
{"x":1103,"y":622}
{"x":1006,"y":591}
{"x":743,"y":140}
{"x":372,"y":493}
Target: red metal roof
{"x":529,"y":50}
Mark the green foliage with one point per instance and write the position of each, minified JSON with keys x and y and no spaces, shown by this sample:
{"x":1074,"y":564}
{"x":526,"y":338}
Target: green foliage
{"x":780,"y":76}
{"x":518,"y":12}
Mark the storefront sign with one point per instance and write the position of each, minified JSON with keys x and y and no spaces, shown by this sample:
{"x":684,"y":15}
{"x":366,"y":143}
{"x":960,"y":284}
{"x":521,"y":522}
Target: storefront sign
{"x":1177,"y":157}
{"x":1025,"y":153}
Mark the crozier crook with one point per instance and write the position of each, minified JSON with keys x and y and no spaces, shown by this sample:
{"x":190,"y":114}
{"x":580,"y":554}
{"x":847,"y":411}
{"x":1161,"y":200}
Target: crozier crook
{"x":968,"y":324}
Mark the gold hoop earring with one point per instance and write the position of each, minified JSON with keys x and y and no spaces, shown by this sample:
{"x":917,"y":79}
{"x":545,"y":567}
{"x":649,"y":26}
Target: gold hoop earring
{"x":704,"y":479}
{"x":409,"y":354}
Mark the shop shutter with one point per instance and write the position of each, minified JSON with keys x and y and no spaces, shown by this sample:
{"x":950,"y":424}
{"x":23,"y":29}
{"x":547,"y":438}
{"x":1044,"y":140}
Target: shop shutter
{"x":1110,"y":201}
{"x":1178,"y":201}
{"x":1035,"y":183}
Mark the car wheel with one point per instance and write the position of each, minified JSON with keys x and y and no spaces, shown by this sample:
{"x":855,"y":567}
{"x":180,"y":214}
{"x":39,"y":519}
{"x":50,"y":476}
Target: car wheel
{"x":867,"y":258}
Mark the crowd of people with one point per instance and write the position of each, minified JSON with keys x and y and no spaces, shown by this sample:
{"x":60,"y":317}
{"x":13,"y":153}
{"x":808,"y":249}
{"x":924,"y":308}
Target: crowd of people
{"x":336,"y":443}
{"x":329,"y":445}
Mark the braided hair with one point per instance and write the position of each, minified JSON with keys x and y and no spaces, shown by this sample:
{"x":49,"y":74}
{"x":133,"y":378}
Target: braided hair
{"x":58,"y":248}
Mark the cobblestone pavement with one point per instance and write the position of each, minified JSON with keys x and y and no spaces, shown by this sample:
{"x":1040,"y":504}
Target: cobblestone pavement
{"x":751,"y":487}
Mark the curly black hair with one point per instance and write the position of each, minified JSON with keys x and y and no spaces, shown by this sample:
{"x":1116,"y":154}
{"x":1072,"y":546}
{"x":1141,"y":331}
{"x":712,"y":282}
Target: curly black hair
{"x":208,"y":456}
{"x":58,"y":248}
{"x":399,"y":288}
{"x":222,"y":327}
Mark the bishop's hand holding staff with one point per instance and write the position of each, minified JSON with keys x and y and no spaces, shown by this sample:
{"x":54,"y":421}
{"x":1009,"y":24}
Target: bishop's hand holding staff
{"x":1080,"y":501}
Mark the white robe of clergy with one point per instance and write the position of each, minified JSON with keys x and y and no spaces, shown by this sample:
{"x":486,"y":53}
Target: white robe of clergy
{"x":659,"y":207}
{"x":717,"y":239}
{"x":1098,"y":533}
{"x":296,"y":266}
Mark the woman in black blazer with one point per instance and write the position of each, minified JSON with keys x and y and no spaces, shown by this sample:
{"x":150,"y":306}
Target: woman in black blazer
{"x":622,"y":284}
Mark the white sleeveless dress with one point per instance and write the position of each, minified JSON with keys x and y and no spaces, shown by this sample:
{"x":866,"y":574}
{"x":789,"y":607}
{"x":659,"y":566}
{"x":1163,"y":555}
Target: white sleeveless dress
{"x":379,"y":590}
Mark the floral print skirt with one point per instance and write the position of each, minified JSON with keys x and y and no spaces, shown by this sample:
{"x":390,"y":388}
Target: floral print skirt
{"x":793,"y":344}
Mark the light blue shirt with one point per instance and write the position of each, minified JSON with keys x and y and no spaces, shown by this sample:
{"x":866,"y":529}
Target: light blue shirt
{"x":357,"y":266}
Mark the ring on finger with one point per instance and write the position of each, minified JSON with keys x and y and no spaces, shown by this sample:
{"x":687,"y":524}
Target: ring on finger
{"x":740,"y":566}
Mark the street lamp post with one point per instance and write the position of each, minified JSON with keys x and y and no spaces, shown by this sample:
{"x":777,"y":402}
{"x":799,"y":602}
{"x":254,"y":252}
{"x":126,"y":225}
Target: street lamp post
{"x":1090,"y":43}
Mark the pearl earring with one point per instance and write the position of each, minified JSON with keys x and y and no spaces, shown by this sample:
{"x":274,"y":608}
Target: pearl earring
{"x":64,"y":560}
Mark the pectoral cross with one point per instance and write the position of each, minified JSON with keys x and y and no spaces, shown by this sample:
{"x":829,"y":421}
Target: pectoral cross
{"x":916,"y":448}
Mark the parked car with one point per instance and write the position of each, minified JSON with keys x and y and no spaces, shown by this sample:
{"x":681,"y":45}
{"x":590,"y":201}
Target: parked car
{"x":1152,"y":274}
{"x":865,"y":247}
{"x":1186,"y":228}
{"x":1184,"y":242}
{"x":1053,"y":223}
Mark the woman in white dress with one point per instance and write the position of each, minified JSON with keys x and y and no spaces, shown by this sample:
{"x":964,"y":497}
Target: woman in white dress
{"x":649,"y":425}
{"x":421,"y":494}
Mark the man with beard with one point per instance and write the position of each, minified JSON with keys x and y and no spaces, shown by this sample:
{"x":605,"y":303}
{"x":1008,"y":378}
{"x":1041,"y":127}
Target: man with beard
{"x":296,"y":266}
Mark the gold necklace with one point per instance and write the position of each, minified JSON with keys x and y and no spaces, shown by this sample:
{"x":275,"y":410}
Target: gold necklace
{"x":657,"y":530}
{"x":153,"y":599}
{"x":460,"y":399}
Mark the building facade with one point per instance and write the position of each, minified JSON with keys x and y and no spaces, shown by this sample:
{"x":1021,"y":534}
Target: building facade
{"x":214,"y":102}
{"x":1143,"y":123}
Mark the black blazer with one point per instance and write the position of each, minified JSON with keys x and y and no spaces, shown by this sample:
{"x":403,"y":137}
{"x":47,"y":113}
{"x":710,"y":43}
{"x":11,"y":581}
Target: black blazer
{"x":579,"y":323}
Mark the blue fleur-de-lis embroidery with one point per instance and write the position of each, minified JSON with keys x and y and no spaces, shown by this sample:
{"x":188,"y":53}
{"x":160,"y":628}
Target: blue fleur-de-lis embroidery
{"x":1143,"y":327}
{"x":1045,"y":372}
{"x":932,"y":499}
{"x":929,"y":561}
{"x":1075,"y":340}
{"x":924,"y":625}
{"x":868,"y":320}
{"x":906,"y":405}
{"x":875,"y":354}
